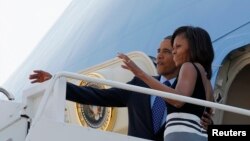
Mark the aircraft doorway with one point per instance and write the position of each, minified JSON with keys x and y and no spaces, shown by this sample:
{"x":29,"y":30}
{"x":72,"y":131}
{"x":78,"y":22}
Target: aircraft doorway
{"x":232,"y":86}
{"x":239,"y":96}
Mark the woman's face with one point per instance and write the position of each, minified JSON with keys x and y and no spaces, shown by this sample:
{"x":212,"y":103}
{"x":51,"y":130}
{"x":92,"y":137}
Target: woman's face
{"x":181,"y":52}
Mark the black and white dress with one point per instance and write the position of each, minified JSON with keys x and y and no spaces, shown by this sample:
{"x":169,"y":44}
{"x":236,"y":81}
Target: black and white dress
{"x":183,"y":124}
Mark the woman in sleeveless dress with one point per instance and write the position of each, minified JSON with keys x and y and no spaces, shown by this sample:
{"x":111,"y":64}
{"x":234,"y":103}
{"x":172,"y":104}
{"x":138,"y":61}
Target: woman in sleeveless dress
{"x":193,"y":55}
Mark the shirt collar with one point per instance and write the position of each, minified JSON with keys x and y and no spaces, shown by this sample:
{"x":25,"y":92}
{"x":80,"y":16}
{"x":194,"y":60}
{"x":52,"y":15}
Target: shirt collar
{"x":163,"y":79}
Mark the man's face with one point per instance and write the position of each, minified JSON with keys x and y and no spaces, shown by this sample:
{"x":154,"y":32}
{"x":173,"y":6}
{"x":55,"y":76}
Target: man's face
{"x":165,"y":63}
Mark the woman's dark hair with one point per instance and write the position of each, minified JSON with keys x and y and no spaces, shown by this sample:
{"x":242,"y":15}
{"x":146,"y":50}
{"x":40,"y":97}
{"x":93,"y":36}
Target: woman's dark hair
{"x":201,"y":48}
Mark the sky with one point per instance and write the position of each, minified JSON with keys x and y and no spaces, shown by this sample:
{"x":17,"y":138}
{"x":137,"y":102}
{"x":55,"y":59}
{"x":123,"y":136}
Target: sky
{"x":23,"y":23}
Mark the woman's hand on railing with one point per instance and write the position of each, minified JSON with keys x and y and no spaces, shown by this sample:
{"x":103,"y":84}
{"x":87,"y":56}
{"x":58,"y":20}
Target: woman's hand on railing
{"x":39,"y":76}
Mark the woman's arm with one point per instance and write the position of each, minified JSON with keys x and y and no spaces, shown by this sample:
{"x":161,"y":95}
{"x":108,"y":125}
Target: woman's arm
{"x":185,"y":85}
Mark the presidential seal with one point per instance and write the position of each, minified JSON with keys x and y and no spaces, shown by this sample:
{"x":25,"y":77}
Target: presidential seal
{"x":96,"y":116}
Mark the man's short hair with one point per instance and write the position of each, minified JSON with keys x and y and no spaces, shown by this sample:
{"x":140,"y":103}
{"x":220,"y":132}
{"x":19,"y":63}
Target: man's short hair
{"x":169,"y":37}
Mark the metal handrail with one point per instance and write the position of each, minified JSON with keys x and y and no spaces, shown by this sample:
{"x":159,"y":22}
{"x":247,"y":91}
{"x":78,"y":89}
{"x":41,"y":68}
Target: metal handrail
{"x":156,"y":93}
{"x":141,"y":90}
{"x":7,"y":94}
